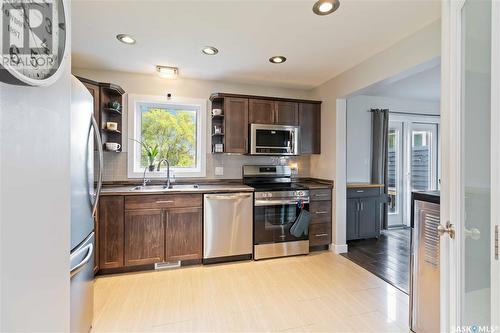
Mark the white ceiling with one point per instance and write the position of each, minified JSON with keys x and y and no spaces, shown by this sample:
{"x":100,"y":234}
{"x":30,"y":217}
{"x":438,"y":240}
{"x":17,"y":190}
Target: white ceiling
{"x":247,"y":33}
{"x":425,"y":86}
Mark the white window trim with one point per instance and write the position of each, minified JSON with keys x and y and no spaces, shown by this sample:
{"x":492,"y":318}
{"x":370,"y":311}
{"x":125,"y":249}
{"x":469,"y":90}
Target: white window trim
{"x":201,"y":134}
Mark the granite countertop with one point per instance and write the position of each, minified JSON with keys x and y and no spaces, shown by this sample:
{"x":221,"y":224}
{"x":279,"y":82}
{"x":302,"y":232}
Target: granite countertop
{"x":183,"y":188}
{"x":363,"y":185}
{"x":203,"y":186}
{"x":315,"y":185}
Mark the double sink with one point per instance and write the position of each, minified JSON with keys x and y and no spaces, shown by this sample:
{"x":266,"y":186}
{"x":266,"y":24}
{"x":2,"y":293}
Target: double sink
{"x":164,"y":188}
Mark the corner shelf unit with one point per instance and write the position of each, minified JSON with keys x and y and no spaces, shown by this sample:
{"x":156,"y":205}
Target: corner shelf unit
{"x":219,"y":122}
{"x":104,"y":94}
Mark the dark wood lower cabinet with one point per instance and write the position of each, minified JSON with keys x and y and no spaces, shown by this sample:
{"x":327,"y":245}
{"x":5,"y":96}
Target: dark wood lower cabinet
{"x":320,"y":229}
{"x":184,"y":234}
{"x":111,"y":228}
{"x":144,"y":237}
{"x":131,"y":237}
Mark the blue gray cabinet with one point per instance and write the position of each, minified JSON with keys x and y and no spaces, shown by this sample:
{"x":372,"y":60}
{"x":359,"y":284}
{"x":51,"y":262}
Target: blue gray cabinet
{"x":364,"y":212}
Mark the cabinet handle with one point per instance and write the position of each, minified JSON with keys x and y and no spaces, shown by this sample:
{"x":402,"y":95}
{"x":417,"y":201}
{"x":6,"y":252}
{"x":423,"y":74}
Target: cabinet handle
{"x":321,"y":235}
{"x":164,"y":201}
{"x":321,"y":195}
{"x":322,"y":212}
{"x":360,"y":191}
{"x":361,"y":206}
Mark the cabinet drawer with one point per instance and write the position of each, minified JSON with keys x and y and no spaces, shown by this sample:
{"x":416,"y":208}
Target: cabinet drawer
{"x":321,"y":194}
{"x":155,"y":201}
{"x":320,"y":234}
{"x":321,"y":211}
{"x":364,"y":192}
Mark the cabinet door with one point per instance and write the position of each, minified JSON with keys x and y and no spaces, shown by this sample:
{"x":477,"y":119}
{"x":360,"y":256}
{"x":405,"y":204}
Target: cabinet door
{"x":94,"y":91}
{"x":236,"y":125}
{"x":369,"y":217}
{"x":286,"y":113}
{"x":261,"y":111}
{"x":352,"y":219}
{"x":310,"y":128}
{"x":111,"y":231}
{"x":184,"y":234}
{"x":144,"y":237}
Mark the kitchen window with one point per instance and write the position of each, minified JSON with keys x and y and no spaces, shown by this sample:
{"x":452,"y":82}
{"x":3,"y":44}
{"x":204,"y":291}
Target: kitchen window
{"x":175,"y":128}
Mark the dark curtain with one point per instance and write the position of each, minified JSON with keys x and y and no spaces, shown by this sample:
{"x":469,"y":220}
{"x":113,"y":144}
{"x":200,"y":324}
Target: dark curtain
{"x":380,"y":134}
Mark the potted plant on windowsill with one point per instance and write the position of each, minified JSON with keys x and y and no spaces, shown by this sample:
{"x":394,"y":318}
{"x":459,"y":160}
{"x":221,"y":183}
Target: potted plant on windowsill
{"x":151,"y":152}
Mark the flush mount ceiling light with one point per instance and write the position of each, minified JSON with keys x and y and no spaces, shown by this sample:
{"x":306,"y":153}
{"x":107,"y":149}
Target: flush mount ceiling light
{"x":167,"y":72}
{"x":209,"y":50}
{"x":325,"y":7}
{"x":126,"y":39}
{"x":277,"y":59}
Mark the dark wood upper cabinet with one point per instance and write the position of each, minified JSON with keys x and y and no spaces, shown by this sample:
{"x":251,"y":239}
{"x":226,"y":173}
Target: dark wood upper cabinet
{"x":95,"y":92}
{"x":111,"y":228}
{"x":144,"y":237}
{"x":261,"y":111}
{"x":241,"y":110}
{"x":236,"y":125}
{"x":184,"y":234}
{"x":310,"y":128}
{"x":286,"y":113}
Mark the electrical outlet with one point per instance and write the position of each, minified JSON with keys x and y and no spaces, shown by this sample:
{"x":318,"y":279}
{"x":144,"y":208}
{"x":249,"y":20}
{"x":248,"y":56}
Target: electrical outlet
{"x":219,"y":171}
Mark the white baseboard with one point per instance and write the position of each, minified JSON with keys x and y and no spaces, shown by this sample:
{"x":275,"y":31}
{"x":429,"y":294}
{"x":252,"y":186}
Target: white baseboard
{"x":338,"y":249}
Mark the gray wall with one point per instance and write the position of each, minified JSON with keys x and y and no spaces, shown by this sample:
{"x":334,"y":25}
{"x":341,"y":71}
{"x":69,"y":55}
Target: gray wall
{"x":359,"y":130}
{"x":35,"y":206}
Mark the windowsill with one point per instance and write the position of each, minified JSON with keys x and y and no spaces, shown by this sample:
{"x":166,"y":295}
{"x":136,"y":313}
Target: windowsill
{"x":163,"y":174}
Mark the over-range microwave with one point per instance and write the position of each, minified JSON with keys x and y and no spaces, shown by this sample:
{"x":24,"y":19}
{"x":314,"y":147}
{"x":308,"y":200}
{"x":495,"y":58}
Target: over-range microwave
{"x":274,"y":140}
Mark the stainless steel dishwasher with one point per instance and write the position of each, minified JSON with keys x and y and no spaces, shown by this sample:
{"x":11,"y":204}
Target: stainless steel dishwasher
{"x":227,"y":227}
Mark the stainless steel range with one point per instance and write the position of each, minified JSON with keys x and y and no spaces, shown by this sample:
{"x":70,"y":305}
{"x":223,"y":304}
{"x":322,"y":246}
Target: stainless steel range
{"x":277,"y":204}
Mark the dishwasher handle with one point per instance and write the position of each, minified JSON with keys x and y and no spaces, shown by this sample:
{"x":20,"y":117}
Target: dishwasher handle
{"x":227,"y":196}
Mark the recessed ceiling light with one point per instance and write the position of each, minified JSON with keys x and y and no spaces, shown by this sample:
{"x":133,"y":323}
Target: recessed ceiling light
{"x":167,"y":72}
{"x":277,"y":59}
{"x":126,"y":39}
{"x":209,"y":50}
{"x":325,"y":7}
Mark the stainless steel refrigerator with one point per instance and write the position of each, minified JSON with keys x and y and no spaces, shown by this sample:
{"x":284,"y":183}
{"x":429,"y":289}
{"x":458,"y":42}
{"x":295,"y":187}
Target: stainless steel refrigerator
{"x":84,"y":199}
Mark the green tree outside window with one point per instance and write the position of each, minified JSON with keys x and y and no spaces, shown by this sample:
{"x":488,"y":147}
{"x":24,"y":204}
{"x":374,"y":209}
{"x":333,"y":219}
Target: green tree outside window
{"x":173,"y":131}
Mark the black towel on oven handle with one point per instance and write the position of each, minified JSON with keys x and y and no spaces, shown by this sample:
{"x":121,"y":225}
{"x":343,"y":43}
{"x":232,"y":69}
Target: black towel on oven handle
{"x":301,"y":225}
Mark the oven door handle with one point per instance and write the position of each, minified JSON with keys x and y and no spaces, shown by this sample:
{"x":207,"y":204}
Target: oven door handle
{"x":279,"y":202}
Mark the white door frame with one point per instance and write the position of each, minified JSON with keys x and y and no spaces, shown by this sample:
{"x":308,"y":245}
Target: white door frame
{"x":451,"y":191}
{"x":452,"y":205}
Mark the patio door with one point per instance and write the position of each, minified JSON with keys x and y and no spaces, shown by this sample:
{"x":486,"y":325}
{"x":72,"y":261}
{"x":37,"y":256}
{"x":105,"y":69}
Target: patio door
{"x":470,"y":196}
{"x":412,"y":163}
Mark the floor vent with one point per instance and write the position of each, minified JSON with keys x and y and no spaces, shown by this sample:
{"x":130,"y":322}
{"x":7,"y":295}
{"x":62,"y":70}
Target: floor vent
{"x":168,"y":265}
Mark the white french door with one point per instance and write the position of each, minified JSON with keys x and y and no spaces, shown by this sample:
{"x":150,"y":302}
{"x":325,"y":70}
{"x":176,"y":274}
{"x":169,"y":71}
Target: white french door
{"x":470,"y":195}
{"x":412,"y":163}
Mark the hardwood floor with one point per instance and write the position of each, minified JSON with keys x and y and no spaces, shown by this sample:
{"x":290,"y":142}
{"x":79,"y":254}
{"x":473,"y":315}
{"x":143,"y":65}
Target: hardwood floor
{"x":388,"y":257}
{"x":321,"y":292}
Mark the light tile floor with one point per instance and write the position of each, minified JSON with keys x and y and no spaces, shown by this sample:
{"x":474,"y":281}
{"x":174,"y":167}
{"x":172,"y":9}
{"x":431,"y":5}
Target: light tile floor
{"x":321,"y":292}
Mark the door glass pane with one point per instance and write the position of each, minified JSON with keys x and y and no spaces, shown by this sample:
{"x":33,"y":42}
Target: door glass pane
{"x":393,"y":169}
{"x":423,"y":158}
{"x":476,"y":117}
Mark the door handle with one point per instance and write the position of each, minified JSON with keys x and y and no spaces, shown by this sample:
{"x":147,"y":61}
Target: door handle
{"x":448,"y":228}
{"x":77,"y":268}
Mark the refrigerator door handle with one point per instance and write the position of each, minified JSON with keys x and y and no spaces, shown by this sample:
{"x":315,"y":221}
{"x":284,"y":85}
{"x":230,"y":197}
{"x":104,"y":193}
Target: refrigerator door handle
{"x":90,"y":250}
{"x":97,"y":193}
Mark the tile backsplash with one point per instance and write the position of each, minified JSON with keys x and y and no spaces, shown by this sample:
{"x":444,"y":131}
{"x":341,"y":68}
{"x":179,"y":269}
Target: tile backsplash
{"x":115,"y":165}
